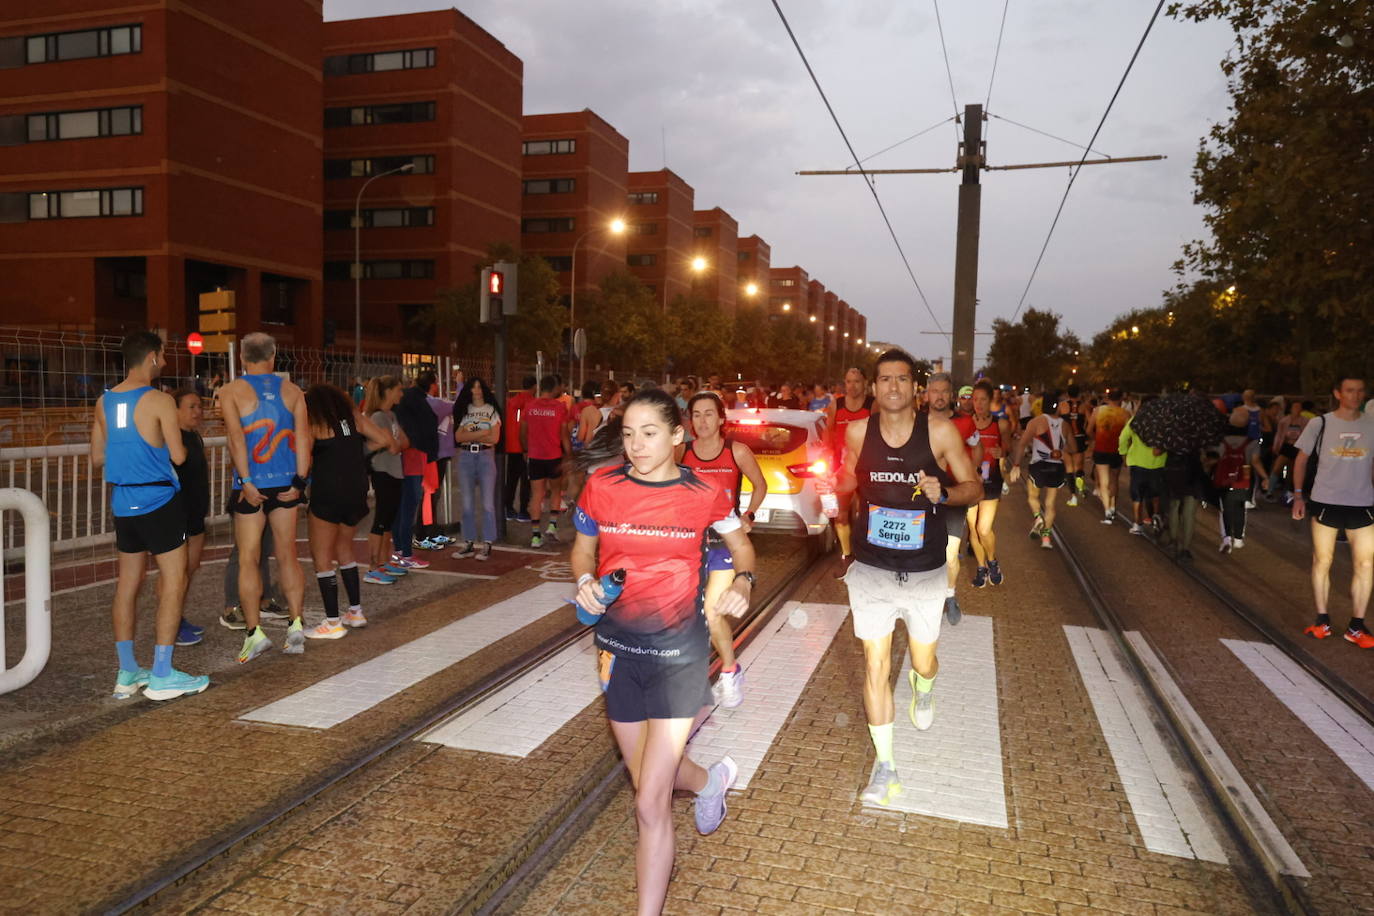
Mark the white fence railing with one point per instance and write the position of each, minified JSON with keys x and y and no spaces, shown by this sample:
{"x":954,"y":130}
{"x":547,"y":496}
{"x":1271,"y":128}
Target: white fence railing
{"x":37,"y":591}
{"x":77,"y":503}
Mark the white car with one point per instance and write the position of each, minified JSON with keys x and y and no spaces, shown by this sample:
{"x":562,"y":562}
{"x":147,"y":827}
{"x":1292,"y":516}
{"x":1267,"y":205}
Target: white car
{"x":791,"y":451}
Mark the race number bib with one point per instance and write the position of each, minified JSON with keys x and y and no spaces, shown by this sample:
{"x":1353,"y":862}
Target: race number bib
{"x":896,"y":529}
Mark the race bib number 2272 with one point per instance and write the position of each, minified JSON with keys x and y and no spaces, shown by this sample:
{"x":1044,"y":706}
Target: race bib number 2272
{"x":896,"y":529}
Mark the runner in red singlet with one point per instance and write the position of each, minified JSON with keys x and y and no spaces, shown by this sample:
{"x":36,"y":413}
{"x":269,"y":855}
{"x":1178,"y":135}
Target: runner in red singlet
{"x":995,"y":434}
{"x":856,"y":404}
{"x":732,"y":461}
{"x":649,"y":517}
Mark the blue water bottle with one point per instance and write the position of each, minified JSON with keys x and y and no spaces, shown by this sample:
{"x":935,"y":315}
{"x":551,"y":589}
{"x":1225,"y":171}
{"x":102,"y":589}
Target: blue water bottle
{"x":611,"y":586}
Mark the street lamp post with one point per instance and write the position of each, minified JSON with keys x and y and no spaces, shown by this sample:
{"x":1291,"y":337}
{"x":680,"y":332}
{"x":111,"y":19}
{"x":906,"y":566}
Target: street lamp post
{"x":616,"y":227}
{"x":358,"y":267}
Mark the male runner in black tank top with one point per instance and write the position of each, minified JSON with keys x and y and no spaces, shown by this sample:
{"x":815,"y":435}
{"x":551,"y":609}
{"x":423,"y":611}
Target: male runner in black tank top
{"x":893,"y":461}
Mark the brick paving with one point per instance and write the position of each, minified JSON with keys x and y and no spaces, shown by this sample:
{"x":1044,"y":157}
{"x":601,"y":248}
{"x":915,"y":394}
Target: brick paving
{"x":797,"y":841}
{"x":1321,"y":806}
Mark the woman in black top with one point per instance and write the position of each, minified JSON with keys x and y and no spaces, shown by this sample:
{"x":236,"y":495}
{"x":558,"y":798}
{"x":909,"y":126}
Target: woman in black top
{"x":194,"y":476}
{"x":338,"y":500}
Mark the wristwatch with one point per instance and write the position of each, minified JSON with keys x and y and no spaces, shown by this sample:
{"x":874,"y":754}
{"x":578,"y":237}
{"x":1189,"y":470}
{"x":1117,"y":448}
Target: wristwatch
{"x":753,"y":580}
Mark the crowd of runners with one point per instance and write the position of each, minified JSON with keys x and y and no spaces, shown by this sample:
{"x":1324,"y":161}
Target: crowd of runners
{"x":662,"y":554}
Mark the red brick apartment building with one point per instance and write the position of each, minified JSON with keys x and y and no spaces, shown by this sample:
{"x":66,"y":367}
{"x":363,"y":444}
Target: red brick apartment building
{"x":659,"y":243}
{"x":155,"y":151}
{"x":715,"y":237}
{"x":574,"y":170}
{"x":438,"y":93}
{"x":753,"y":272}
{"x":787,"y":291}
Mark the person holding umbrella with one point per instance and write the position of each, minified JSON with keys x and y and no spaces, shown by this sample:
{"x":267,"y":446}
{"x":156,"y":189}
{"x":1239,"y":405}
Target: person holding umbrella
{"x":1182,"y":424}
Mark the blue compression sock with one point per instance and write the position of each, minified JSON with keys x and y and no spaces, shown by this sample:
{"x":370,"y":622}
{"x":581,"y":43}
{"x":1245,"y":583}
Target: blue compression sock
{"x":162,"y":661}
{"x":125,"y":648}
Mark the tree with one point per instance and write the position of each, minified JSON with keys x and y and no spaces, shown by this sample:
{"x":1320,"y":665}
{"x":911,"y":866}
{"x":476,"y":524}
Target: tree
{"x":1288,"y":180}
{"x":699,"y":334}
{"x":1034,"y":351}
{"x":625,"y":325}
{"x":540,"y":321}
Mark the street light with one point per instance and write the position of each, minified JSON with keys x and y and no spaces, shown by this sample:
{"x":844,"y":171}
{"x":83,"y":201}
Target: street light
{"x":751,"y":289}
{"x":698,"y":264}
{"x":616,"y":227}
{"x":787,"y":306}
{"x":358,"y":267}
{"x":813,"y":319}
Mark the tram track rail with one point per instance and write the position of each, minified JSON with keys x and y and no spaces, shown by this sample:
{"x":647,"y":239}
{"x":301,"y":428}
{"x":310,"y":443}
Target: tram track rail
{"x":201,"y":859}
{"x":1272,"y":888}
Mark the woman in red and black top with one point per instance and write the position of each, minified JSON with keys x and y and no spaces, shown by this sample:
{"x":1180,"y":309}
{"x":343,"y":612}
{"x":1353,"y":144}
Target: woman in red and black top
{"x":650,"y":517}
{"x":723,"y":463}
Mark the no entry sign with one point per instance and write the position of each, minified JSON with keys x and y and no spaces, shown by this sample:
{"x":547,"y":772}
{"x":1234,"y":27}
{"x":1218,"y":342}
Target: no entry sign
{"x":195,"y":343}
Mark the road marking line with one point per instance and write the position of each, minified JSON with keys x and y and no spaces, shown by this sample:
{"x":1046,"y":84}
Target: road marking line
{"x":1349,"y":737}
{"x":777,"y":666}
{"x":1157,"y":789}
{"x":337,"y":699}
{"x":1242,"y":796}
{"x":953,"y":770}
{"x":525,"y":713}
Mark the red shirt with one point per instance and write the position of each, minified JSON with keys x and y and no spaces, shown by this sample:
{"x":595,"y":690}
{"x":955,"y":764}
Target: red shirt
{"x":544,"y":418}
{"x":656,"y":532}
{"x":968,"y":431}
{"x":514,"y":407}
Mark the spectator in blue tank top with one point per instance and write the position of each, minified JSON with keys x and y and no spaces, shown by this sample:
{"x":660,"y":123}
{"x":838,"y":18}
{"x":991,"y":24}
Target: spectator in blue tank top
{"x":268,"y":429}
{"x":136,"y":438}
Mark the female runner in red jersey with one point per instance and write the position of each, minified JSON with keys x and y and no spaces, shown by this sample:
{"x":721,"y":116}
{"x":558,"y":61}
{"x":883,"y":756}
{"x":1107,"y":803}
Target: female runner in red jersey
{"x":995,"y":432}
{"x":650,"y":517}
{"x":727,"y":464}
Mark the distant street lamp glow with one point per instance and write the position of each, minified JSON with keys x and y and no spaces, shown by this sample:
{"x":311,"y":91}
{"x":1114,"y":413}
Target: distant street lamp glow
{"x":813,"y":318}
{"x":787,"y":306}
{"x":832,"y":327}
{"x":846,"y":333}
{"x":751,"y":289}
{"x":1135,"y":329}
{"x":698,"y":264}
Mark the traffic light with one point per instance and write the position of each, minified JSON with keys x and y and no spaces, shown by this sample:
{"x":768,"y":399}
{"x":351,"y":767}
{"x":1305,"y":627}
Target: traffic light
{"x":498,"y":297}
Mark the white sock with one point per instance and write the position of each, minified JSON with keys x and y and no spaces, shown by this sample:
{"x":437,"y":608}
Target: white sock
{"x":949,"y":593}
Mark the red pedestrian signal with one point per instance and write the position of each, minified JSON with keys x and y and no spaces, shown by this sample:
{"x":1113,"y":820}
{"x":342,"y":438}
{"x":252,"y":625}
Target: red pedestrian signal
{"x":496,"y":282}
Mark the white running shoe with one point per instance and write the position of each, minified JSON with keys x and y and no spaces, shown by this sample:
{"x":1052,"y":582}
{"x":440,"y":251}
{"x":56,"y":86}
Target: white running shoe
{"x":883,"y":787}
{"x":327,"y":629}
{"x":1237,"y":543}
{"x":1073,"y":499}
{"x":354,"y":619}
{"x":922,"y":710}
{"x":710,"y":809}
{"x":728,"y":689}
{"x":1225,"y":545}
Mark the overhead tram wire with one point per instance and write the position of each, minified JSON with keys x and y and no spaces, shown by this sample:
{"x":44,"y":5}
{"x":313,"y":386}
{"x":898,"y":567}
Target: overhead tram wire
{"x":872,"y":187}
{"x":1045,"y":133}
{"x":954,"y":100}
{"x":888,"y":149}
{"x":1078,"y":168}
{"x":996,"y":54}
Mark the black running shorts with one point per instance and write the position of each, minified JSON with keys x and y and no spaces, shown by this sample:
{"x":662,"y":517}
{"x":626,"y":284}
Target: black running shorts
{"x":1047,"y":475}
{"x":1351,"y":518}
{"x":156,"y":532}
{"x":545,"y":468}
{"x":1146,"y":483}
{"x":338,"y":510}
{"x":642,"y":688}
{"x":1289,"y":451}
{"x":1107,"y":459}
{"x":241,"y":506}
{"x":992,"y":489}
{"x":956,"y":520}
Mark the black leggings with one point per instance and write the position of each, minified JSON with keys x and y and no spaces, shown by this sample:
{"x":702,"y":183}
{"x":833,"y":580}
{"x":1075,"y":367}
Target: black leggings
{"x":388,"y":490}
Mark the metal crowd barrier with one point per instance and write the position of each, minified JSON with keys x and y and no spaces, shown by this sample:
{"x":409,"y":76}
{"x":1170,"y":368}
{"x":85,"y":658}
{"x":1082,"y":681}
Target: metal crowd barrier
{"x":37,"y":591}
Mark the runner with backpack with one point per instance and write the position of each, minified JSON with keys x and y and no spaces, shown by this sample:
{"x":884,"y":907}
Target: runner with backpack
{"x":1236,"y":464}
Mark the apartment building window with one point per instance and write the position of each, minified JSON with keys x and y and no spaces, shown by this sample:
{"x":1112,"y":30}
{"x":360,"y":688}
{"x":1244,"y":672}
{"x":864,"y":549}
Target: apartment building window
{"x":554,"y":224}
{"x":107,"y":42}
{"x":376,"y":165}
{"x":784,"y":282}
{"x":550,"y":186}
{"x":413,"y":59}
{"x":643,"y":197}
{"x":702,"y":232}
{"x":396,"y":113}
{"x":381,"y":218}
{"x":382,"y":270}
{"x":548,"y":147}
{"x":641,"y":260}
{"x":77,"y":204}
{"x":744,"y":256}
{"x":130,"y":284}
{"x":93,"y":122}
{"x":644,"y":228}
{"x":559,"y":262}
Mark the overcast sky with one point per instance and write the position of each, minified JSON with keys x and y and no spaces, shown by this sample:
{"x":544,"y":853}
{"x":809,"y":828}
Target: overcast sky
{"x":741,"y":117}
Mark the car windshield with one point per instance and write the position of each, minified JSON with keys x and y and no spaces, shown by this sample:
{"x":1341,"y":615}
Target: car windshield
{"x":766,"y":438}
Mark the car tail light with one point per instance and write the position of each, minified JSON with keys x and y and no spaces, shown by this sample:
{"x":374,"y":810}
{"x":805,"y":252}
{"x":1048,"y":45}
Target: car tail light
{"x":814,"y":469}
{"x":750,"y":422}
